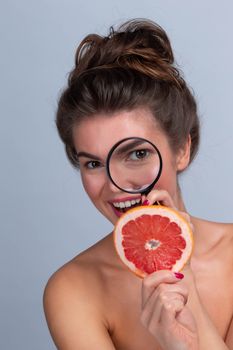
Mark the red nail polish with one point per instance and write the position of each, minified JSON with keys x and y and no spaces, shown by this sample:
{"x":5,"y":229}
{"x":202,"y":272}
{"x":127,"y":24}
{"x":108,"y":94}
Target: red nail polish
{"x":179,"y":275}
{"x":146,"y":202}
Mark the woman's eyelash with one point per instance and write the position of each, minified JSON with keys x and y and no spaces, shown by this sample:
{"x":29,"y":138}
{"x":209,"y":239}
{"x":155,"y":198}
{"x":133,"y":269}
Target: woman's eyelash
{"x":92,"y":164}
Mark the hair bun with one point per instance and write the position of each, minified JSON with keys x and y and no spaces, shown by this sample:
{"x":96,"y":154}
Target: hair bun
{"x":141,"y":34}
{"x":141,"y":45}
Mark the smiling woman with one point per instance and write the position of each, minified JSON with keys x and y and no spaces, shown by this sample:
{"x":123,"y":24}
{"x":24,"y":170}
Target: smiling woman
{"x":124,"y":86}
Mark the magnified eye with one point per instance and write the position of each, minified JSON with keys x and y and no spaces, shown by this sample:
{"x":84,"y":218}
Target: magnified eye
{"x":93,"y":164}
{"x":139,"y":154}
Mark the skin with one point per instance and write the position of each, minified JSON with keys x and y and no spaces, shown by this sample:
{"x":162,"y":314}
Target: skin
{"x":95,"y":302}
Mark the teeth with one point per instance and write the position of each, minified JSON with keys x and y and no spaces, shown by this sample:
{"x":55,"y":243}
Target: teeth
{"x":126,"y":204}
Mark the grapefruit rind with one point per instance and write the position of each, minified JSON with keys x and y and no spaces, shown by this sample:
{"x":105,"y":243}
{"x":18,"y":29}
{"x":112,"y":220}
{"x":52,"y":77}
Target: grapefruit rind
{"x":173,"y":215}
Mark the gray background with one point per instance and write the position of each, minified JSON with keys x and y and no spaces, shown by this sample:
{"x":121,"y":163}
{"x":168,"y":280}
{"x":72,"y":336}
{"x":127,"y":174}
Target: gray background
{"x":45,"y":214}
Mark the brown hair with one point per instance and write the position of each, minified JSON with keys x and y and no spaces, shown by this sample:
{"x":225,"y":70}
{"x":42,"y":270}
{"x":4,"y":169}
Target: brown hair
{"x":131,"y":67}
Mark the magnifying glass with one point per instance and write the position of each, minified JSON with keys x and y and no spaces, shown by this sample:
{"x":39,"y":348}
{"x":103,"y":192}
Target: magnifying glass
{"x":134,"y":165}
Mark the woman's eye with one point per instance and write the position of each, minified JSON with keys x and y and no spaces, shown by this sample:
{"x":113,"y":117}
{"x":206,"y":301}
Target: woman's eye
{"x":92,"y":164}
{"x":138,"y":154}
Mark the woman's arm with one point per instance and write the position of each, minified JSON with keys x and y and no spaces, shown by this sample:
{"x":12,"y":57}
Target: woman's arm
{"x":73,"y":318}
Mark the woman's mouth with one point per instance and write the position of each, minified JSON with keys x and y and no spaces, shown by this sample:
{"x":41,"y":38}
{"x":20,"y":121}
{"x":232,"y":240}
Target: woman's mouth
{"x":121,"y":207}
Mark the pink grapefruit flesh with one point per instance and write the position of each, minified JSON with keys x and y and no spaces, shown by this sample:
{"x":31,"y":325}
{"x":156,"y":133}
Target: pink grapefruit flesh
{"x":152,"y":238}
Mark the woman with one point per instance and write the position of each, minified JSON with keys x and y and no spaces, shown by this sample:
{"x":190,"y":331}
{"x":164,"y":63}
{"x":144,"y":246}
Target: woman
{"x":126,"y":85}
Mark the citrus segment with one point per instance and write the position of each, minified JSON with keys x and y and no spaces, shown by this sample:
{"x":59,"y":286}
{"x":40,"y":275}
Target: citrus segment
{"x":151,"y":238}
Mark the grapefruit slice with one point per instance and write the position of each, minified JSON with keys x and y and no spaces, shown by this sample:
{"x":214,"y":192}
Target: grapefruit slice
{"x":152,"y":238}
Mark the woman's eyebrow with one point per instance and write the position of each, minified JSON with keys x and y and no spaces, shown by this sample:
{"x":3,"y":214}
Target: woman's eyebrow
{"x":87,"y":155}
{"x":129,"y":146}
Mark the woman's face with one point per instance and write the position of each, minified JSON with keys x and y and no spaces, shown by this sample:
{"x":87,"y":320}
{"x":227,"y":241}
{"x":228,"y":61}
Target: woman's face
{"x":93,"y":139}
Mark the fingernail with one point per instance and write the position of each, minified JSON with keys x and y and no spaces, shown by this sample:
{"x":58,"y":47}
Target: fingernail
{"x":179,"y":275}
{"x":146,"y":202}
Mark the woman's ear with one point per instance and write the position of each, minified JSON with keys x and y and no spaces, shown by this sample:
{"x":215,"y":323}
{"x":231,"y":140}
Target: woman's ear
{"x":183,"y":156}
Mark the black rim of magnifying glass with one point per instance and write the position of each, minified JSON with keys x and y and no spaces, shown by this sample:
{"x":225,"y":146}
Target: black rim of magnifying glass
{"x":147,"y":189}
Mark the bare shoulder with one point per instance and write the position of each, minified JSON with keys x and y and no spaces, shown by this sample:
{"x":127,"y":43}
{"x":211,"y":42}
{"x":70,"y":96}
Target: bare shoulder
{"x":213,"y":237}
{"x":220,"y":231}
{"x":87,"y":268}
{"x":227,"y":231}
{"x":223,"y":239}
{"x":73,"y":300}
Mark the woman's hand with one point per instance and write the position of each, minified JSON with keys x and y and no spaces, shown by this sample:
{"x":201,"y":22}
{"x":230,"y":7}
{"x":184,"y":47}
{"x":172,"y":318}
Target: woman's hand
{"x":164,"y":298}
{"x":172,"y":309}
{"x":163,"y":197}
{"x":165,"y":313}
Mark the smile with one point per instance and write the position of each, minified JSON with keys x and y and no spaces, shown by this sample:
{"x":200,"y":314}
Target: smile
{"x":122,"y":206}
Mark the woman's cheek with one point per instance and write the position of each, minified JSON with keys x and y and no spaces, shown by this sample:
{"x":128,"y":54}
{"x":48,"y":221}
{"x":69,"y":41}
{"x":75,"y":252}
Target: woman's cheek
{"x":88,"y":185}
{"x":91,"y":185}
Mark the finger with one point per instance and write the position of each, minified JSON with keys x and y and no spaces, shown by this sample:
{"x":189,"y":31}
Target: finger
{"x":152,"y":308}
{"x":168,"y":289}
{"x":187,"y":218}
{"x":176,"y":290}
{"x":186,"y":319}
{"x":185,"y":215}
{"x":161,"y":196}
{"x":169,"y":312}
{"x":152,"y":281}
{"x":154,"y":305}
{"x":157,"y":301}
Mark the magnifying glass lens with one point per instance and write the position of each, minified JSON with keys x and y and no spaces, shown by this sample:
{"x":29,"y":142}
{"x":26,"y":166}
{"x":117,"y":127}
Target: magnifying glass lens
{"x":134,"y":165}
